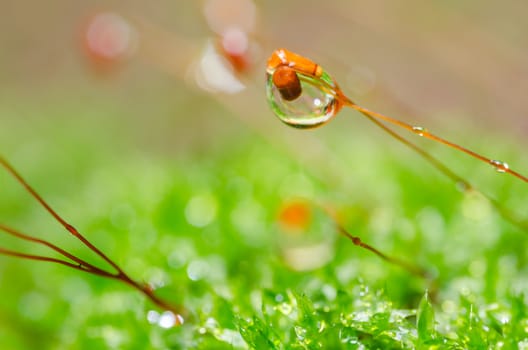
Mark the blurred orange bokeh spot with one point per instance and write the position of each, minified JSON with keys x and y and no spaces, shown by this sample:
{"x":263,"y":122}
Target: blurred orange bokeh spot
{"x":295,"y":215}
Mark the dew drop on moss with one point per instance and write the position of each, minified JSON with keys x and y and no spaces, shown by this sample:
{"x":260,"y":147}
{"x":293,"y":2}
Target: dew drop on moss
{"x":316,"y":105}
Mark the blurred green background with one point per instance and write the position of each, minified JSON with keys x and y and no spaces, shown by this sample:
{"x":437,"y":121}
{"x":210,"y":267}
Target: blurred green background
{"x":182,"y":183}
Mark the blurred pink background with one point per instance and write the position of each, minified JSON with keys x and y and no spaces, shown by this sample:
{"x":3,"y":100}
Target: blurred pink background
{"x":449,"y":62}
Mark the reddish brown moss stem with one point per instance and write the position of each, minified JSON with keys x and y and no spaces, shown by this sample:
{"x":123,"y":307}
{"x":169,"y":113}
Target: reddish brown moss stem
{"x":78,"y":263}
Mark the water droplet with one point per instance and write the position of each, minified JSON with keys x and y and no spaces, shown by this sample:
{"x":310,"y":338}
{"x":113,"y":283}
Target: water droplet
{"x":501,"y":167}
{"x":198,"y":269}
{"x":315,"y":105}
{"x":329,"y":292}
{"x":34,"y":306}
{"x":321,"y":326}
{"x":201,"y":210}
{"x":300,"y":332}
{"x":348,"y":336}
{"x":285,"y":308}
{"x":167,"y":319}
{"x":153,"y":317}
{"x":420,"y":131}
{"x":214,"y":74}
{"x":279,"y":298}
{"x":109,"y":40}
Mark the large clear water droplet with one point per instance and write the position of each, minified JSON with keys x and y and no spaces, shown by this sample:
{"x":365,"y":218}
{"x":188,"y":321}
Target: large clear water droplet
{"x":316,"y":105}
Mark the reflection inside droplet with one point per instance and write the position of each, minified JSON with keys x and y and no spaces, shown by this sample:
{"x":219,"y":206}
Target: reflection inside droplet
{"x":315,"y":105}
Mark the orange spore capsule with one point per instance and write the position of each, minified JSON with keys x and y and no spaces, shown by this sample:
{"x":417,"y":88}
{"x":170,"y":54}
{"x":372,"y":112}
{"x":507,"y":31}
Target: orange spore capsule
{"x":287,"y":82}
{"x":283,"y":57}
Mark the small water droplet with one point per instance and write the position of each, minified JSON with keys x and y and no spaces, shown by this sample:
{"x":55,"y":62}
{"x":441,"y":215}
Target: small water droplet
{"x":153,"y":316}
{"x":300,"y":332}
{"x":348,"y":336}
{"x":501,"y":167}
{"x":316,"y":105}
{"x":167,"y":320}
{"x":201,"y":210}
{"x":179,"y":319}
{"x":420,"y":131}
{"x":285,"y":308}
{"x":329,"y":291}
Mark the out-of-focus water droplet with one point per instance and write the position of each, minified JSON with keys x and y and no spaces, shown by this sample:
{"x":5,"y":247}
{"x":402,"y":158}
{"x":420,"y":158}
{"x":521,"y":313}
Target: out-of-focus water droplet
{"x":348,"y":336}
{"x":364,"y":290}
{"x":198,"y":269}
{"x":308,"y":257}
{"x":316,"y":105}
{"x":108,"y":40}
{"x":112,"y":336}
{"x":362,"y":316}
{"x":201,"y":210}
{"x":153,"y":316}
{"x":285,"y":308}
{"x":449,"y":306}
{"x":501,"y":167}
{"x":300,"y":332}
{"x":167,"y":320}
{"x":279,"y":298}
{"x":34,"y":306}
{"x":329,"y":291}
{"x":214,"y":74}
{"x":420,"y":131}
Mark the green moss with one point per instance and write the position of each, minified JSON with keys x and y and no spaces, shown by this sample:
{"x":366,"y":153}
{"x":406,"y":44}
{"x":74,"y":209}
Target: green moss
{"x":204,"y":227}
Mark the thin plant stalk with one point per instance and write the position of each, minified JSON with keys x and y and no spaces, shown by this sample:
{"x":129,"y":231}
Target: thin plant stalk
{"x":76,"y":262}
{"x":411,"y":268}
